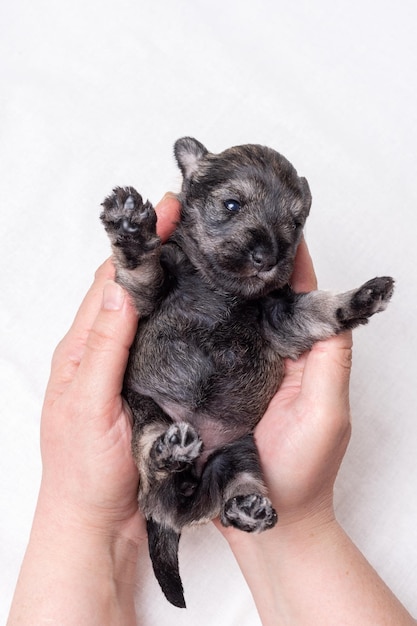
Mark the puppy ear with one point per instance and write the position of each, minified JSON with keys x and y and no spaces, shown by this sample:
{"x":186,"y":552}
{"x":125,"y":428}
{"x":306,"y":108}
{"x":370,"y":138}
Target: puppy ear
{"x":306,"y":194}
{"x":189,"y":152}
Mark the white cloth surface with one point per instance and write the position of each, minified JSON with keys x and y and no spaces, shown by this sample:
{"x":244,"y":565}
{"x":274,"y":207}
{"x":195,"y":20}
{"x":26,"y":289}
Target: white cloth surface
{"x":93,"y":94}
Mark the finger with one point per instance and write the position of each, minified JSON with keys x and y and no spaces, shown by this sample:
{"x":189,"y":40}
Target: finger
{"x":69,"y":351}
{"x":99,"y":377}
{"x":327,"y":373}
{"x":91,"y":303}
{"x":168,"y":212}
{"x":303,"y":277}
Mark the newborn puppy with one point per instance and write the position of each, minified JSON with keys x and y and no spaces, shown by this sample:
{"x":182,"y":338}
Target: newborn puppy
{"x":217,"y":319}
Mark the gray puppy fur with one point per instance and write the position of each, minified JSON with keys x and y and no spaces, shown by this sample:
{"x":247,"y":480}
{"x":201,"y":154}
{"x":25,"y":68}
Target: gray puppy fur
{"x":217,"y":319}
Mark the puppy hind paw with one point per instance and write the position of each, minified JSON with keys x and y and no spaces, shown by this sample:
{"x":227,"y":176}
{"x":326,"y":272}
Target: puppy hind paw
{"x":177,"y":448}
{"x":251,"y":513}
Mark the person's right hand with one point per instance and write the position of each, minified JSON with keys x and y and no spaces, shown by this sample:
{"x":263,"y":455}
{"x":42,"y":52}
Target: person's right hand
{"x":304,"y":433}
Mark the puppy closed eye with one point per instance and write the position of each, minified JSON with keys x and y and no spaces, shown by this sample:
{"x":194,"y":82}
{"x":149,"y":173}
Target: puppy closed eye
{"x":232,"y":205}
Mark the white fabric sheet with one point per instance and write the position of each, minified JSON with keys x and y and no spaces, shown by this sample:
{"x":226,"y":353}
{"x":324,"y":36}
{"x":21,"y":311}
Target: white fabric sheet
{"x":93,"y":94}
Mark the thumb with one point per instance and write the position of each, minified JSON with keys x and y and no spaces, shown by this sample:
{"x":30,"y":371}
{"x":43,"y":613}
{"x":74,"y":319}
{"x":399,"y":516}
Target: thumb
{"x":327,"y":372}
{"x":102,"y":367}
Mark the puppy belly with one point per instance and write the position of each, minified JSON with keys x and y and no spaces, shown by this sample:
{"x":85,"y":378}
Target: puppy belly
{"x":213,"y":432}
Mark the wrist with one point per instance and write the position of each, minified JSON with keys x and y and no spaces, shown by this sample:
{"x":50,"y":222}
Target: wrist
{"x":291,"y":535}
{"x":272,"y":562}
{"x":92,"y":545}
{"x":74,"y":573}
{"x":294,"y":524}
{"x":309,"y":571}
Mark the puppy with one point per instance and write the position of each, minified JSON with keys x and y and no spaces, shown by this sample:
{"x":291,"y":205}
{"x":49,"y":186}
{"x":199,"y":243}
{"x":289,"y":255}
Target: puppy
{"x":218,"y":318}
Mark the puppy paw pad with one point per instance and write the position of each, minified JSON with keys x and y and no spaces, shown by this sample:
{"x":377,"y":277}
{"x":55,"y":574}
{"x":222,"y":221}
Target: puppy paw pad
{"x":251,"y":513}
{"x":373,"y":296}
{"x":125,"y":214}
{"x":179,"y":446}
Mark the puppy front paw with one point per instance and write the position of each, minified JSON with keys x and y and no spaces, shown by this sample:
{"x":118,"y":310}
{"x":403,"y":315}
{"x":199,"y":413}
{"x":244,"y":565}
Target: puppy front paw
{"x":251,"y":513}
{"x":369,"y":299}
{"x":177,"y":448}
{"x":130,"y":223}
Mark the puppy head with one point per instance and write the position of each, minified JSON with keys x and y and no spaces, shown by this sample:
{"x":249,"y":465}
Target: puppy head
{"x":243,"y":212}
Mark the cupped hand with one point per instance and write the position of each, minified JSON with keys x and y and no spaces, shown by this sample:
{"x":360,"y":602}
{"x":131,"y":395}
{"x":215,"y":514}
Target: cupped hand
{"x":89,"y":477}
{"x":304,"y":433}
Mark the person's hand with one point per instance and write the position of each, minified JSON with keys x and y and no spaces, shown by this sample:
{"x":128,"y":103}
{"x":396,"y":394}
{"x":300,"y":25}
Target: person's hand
{"x":303,"y":435}
{"x":306,"y":569}
{"x":89,"y":477}
{"x":80,"y":563}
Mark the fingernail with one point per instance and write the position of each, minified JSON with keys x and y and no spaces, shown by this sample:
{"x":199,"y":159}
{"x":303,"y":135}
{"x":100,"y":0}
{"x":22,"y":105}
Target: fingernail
{"x":113,"y":296}
{"x":170,"y":195}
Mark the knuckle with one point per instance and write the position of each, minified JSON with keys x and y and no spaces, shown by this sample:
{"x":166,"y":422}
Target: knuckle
{"x":100,"y":337}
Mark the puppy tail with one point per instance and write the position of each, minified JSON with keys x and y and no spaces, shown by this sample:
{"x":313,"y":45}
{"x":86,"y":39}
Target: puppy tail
{"x":163,"y":550}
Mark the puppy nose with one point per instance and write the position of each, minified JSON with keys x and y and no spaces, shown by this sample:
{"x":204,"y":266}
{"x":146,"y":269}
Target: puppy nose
{"x":263,"y":260}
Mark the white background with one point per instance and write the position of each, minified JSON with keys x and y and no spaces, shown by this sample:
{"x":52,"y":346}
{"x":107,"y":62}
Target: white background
{"x":93,"y":94}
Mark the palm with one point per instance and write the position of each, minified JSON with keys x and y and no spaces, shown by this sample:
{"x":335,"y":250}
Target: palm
{"x":86,"y":426}
{"x":304,"y":433}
